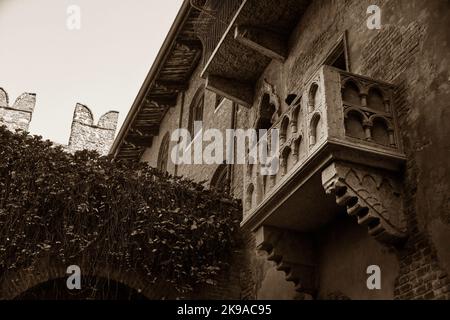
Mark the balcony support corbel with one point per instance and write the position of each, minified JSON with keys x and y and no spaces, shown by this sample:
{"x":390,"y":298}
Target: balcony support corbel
{"x":372,"y":196}
{"x":293,"y":253}
{"x":234,"y":90}
{"x":268,"y":43}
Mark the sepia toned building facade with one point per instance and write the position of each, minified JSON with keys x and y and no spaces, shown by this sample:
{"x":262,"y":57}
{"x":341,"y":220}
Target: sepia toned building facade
{"x":363,"y":116}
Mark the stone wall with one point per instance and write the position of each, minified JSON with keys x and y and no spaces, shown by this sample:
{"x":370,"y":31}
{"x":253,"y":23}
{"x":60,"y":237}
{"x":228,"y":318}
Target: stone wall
{"x":17,"y":116}
{"x":84,"y":133}
{"x":87,"y":135}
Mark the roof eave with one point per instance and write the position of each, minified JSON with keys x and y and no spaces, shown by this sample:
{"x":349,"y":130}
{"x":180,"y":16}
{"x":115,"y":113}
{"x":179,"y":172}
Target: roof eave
{"x":152,"y":74}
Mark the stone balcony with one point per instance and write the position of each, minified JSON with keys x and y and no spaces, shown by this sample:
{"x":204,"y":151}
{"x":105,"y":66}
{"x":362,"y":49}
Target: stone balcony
{"x":339,"y":147}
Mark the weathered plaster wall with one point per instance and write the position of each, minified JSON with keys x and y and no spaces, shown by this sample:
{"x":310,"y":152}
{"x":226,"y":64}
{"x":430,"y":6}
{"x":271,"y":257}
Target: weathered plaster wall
{"x":273,"y":286}
{"x":345,"y":251}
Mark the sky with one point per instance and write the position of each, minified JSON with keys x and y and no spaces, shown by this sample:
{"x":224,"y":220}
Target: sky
{"x":101,"y":65}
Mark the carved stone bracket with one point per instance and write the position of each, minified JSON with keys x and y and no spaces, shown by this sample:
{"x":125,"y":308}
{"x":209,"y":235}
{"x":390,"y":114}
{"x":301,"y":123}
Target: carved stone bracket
{"x":232,"y":89}
{"x":293,"y":253}
{"x":266,"y":42}
{"x":372,"y":196}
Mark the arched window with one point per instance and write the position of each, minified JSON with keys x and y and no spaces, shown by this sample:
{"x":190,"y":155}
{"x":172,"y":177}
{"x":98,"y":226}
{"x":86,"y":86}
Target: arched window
{"x":219,"y":181}
{"x":163,"y":153}
{"x":196,"y":111}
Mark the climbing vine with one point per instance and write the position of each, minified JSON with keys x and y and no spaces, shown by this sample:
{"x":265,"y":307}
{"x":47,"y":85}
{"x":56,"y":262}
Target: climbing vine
{"x":68,"y":207}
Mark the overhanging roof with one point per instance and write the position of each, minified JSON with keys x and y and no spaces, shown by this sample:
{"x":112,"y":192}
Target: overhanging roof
{"x":168,"y":76}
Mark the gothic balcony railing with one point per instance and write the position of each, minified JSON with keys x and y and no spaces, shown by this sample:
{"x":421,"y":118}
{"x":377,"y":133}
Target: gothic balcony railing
{"x":339,"y":142}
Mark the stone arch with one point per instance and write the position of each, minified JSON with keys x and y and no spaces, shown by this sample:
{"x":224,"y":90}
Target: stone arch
{"x":219,"y":180}
{"x":315,"y":129}
{"x":377,"y":117}
{"x":196,"y":109}
{"x":382,"y":131}
{"x":284,"y":128}
{"x":15,"y":284}
{"x":351,"y":90}
{"x":92,"y":288}
{"x":163,"y":154}
{"x":297,"y":147}
{"x":360,"y":114}
{"x":354,"y":123}
{"x":295,"y":112}
{"x":284,"y":155}
{"x":313,"y":96}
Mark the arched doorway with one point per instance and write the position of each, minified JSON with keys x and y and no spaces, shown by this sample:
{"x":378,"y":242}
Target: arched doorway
{"x":92,"y":288}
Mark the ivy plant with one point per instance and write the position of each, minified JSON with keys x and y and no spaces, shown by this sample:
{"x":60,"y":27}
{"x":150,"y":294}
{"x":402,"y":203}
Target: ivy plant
{"x":126,"y":214}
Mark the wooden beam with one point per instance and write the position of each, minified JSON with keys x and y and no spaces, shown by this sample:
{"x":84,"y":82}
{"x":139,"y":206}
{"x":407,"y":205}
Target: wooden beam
{"x":268,"y":43}
{"x":241,"y":93}
{"x":161,"y":101}
{"x":151,"y":130}
{"x":171,"y":85}
{"x":188,"y":45}
{"x":140,"y":141}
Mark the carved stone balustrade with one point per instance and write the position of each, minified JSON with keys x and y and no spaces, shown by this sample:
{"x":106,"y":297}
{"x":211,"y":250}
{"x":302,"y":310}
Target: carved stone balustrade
{"x":339,"y":147}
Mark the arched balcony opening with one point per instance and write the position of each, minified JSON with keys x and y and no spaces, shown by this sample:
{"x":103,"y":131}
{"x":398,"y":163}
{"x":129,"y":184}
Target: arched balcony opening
{"x":315,"y":131}
{"x":354,"y":124}
{"x":375,"y":99}
{"x":313,"y":97}
{"x":351,"y":93}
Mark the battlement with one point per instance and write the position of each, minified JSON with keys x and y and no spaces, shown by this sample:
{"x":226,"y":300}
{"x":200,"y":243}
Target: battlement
{"x":18,"y":116}
{"x":85,"y":134}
